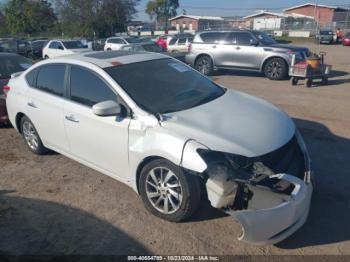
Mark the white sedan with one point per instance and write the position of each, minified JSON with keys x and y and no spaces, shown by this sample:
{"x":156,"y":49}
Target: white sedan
{"x":116,"y":43}
{"x":56,"y":48}
{"x":164,"y":129}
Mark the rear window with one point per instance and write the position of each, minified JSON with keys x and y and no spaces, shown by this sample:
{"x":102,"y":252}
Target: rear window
{"x":213,"y":37}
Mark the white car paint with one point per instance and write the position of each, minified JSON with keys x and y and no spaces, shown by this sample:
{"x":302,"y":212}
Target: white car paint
{"x":55,"y":48}
{"x":115,"y":43}
{"x":248,"y":126}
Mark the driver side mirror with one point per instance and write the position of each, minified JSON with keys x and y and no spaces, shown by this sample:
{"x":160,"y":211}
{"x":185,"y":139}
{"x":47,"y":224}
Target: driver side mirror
{"x":107,"y":108}
{"x":60,"y":47}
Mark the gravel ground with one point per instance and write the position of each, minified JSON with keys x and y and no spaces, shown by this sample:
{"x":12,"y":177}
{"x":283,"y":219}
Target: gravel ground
{"x":53,"y":205}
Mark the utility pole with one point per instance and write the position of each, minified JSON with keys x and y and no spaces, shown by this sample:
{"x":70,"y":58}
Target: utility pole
{"x":166,"y":11}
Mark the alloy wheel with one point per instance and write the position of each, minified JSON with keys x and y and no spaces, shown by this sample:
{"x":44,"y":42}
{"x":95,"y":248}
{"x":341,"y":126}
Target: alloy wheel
{"x":30,"y":135}
{"x":274,"y":69}
{"x":203,"y":66}
{"x":164,"y":190}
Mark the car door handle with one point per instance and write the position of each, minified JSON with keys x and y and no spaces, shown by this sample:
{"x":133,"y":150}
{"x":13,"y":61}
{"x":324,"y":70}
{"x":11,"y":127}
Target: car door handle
{"x":72,"y":119}
{"x":214,"y":46}
{"x":238,"y":48}
{"x":32,"y":104}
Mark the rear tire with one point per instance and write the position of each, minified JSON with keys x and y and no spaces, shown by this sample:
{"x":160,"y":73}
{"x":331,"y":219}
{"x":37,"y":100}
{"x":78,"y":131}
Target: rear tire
{"x":168,"y":191}
{"x":31,"y":137}
{"x":276,"y":69}
{"x":204,"y":65}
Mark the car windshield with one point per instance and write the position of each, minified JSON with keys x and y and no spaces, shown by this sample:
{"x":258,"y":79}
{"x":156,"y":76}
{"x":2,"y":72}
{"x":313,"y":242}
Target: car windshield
{"x":10,"y":64}
{"x":73,"y":44}
{"x":264,"y":38}
{"x":133,"y":40}
{"x":164,"y":85}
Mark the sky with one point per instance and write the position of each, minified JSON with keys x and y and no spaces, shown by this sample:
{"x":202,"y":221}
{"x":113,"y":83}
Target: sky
{"x":235,"y":7}
{"x":231,"y":7}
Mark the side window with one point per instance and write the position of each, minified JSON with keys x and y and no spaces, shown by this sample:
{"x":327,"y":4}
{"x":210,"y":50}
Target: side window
{"x":173,"y":41}
{"x":51,"y":79}
{"x":116,"y":41}
{"x":88,"y":89}
{"x":31,"y":77}
{"x":182,"y":41}
{"x":213,"y":37}
{"x":244,"y":38}
{"x":53,"y":45}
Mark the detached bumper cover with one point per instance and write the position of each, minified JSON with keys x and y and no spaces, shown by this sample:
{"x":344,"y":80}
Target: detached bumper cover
{"x":272,"y":225}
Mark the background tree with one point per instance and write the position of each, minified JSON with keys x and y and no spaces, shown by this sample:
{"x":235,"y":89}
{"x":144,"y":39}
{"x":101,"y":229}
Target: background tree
{"x":28,"y":16}
{"x":162,"y":10}
{"x":104,"y":17}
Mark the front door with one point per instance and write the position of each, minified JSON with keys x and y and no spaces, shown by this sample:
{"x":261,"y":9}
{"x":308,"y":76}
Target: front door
{"x":245,"y":53}
{"x":99,"y":141}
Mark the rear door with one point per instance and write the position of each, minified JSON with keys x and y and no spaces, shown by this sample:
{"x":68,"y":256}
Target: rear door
{"x":245,"y":53}
{"x":44,"y":105}
{"x":217,"y":44}
{"x":99,"y":141}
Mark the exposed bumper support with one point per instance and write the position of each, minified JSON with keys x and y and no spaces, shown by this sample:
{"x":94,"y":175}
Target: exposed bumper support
{"x":272,"y":225}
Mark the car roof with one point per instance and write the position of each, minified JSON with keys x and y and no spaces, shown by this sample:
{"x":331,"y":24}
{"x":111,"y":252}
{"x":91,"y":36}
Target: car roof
{"x":106,"y":59}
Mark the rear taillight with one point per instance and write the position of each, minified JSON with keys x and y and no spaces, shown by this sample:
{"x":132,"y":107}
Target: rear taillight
{"x":189,"y":47}
{"x":6,"y":89}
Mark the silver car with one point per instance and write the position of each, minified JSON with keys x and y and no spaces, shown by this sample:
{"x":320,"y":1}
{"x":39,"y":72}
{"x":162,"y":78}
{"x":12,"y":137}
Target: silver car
{"x":171,"y":134}
{"x":242,"y":50}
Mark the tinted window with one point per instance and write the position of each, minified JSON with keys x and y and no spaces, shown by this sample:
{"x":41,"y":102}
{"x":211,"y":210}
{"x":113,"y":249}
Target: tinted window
{"x":31,"y":77}
{"x":213,"y":37}
{"x":244,"y":38}
{"x":10,"y":64}
{"x":88,"y":89}
{"x":174,"y":87}
{"x":264,"y":38}
{"x":73,"y":44}
{"x":182,"y":41}
{"x":172,"y":41}
{"x":53,"y":45}
{"x":51,"y":79}
{"x":116,"y":41}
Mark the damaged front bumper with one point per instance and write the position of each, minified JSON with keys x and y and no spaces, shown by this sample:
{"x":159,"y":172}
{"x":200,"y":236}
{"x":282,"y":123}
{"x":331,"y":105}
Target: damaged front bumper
{"x":269,"y":204}
{"x":272,"y":225}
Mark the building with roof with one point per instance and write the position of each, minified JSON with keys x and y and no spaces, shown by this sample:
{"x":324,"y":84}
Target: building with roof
{"x":266,"y":20}
{"x":325,"y":15}
{"x":194,"y":22}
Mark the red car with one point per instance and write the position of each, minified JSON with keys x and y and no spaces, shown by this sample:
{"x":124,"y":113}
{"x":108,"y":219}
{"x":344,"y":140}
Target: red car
{"x":162,"y":42}
{"x":9,"y":64}
{"x":346,"y":40}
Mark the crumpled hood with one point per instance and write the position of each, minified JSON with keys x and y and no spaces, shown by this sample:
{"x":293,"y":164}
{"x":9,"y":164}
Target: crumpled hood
{"x":234,"y":123}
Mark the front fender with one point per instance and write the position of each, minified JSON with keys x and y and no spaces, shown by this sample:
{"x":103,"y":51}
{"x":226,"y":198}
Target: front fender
{"x":190,"y":158}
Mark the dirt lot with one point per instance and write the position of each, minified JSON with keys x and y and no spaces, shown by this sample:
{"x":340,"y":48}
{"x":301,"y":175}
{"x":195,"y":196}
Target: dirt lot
{"x":53,"y":205}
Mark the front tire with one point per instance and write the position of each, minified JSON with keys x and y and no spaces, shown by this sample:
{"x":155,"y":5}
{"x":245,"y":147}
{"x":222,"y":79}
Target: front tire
{"x":31,"y":137}
{"x":204,"y":65}
{"x":168,"y":191}
{"x":276,"y":69}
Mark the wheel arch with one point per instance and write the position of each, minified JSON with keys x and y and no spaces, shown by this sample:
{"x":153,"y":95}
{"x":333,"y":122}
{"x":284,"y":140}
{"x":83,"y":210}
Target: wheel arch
{"x":141,"y":165}
{"x":272,"y":57}
{"x":201,"y":55}
{"x":18,"y":119}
